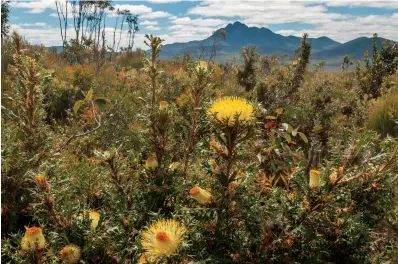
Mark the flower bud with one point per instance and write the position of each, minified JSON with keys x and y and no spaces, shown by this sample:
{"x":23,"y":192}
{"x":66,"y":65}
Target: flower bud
{"x":33,"y":239}
{"x":151,"y":163}
{"x":314,"y":178}
{"x":163,"y":106}
{"x":94,"y":217}
{"x":41,"y":182}
{"x":200,"y":195}
{"x":71,"y":254}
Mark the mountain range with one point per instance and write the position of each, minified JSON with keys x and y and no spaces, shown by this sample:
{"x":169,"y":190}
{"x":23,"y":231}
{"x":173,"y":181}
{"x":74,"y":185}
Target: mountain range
{"x":239,"y":35}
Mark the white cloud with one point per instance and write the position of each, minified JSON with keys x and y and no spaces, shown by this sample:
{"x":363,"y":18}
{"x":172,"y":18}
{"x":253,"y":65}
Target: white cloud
{"x":37,"y":24}
{"x":134,"y":9}
{"x":35,"y":7}
{"x":209,"y":22}
{"x":345,"y":30}
{"x":153,"y":28}
{"x":147,"y":23}
{"x":155,"y":14}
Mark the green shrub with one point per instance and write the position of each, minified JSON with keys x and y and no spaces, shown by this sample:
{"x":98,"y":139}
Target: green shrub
{"x":383,"y":115}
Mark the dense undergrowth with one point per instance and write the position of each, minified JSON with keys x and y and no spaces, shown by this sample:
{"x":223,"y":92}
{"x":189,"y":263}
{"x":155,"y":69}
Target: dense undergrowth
{"x":140,"y":160}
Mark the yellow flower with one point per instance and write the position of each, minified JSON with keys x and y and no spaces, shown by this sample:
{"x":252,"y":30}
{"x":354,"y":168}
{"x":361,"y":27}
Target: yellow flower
{"x":314,"y":178}
{"x":162,"y":239}
{"x":200,"y":195}
{"x":151,"y":163}
{"x":340,"y":221}
{"x":33,"y":239}
{"x":94,"y":217}
{"x":163,"y":105}
{"x":70,"y":254}
{"x":226,"y":109}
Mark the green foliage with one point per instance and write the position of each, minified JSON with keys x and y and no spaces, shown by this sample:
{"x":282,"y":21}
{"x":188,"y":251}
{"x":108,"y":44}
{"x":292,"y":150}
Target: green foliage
{"x":129,"y":146}
{"x":247,"y":75}
{"x":383,"y":115}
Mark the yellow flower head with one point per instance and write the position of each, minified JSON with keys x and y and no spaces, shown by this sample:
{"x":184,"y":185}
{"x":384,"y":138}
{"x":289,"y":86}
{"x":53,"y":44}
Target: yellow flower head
{"x":200,"y":195}
{"x":162,"y":239}
{"x":314,"y":178}
{"x":33,"y":239}
{"x":226,"y":109}
{"x":70,"y":254}
{"x":94,"y":217}
{"x":163,"y":105}
{"x":151,"y":163}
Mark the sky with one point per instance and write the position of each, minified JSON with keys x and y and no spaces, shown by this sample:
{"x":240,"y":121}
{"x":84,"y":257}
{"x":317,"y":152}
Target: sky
{"x":182,"y":21}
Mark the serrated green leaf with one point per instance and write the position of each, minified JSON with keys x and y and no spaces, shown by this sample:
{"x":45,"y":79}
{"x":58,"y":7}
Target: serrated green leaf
{"x":77,"y":106}
{"x":279,"y":111}
{"x":303,"y":137}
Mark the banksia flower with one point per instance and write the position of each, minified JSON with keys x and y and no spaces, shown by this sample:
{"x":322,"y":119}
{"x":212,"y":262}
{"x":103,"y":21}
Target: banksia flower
{"x":94,"y":217}
{"x":314,"y":178}
{"x":226,"y":110}
{"x":41,"y":182}
{"x":163,"y":105}
{"x":33,"y":239}
{"x":151,"y":163}
{"x":162,"y":239}
{"x":200,"y":195}
{"x":70,"y":254}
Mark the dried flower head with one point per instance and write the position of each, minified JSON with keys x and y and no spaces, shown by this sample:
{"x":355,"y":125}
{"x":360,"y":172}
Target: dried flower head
{"x":230,"y":109}
{"x":33,"y":239}
{"x":162,"y":239}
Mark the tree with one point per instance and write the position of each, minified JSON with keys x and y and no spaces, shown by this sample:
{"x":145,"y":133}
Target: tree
{"x":5,"y":27}
{"x":247,"y":74}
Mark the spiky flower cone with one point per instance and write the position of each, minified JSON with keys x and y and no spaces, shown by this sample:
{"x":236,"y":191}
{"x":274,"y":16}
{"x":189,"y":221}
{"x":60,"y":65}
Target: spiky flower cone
{"x":162,"y":239}
{"x":33,"y":239}
{"x":229,"y":109}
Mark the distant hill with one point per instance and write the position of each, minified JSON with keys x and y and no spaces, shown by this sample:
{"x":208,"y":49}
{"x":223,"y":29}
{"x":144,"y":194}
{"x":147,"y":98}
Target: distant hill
{"x":239,"y":35}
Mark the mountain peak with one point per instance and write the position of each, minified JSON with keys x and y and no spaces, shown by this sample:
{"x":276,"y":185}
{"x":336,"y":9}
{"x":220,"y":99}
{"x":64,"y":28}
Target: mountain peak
{"x":236,"y":25}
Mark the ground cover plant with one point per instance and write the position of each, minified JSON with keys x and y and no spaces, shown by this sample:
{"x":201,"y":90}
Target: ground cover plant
{"x":126,"y":158}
